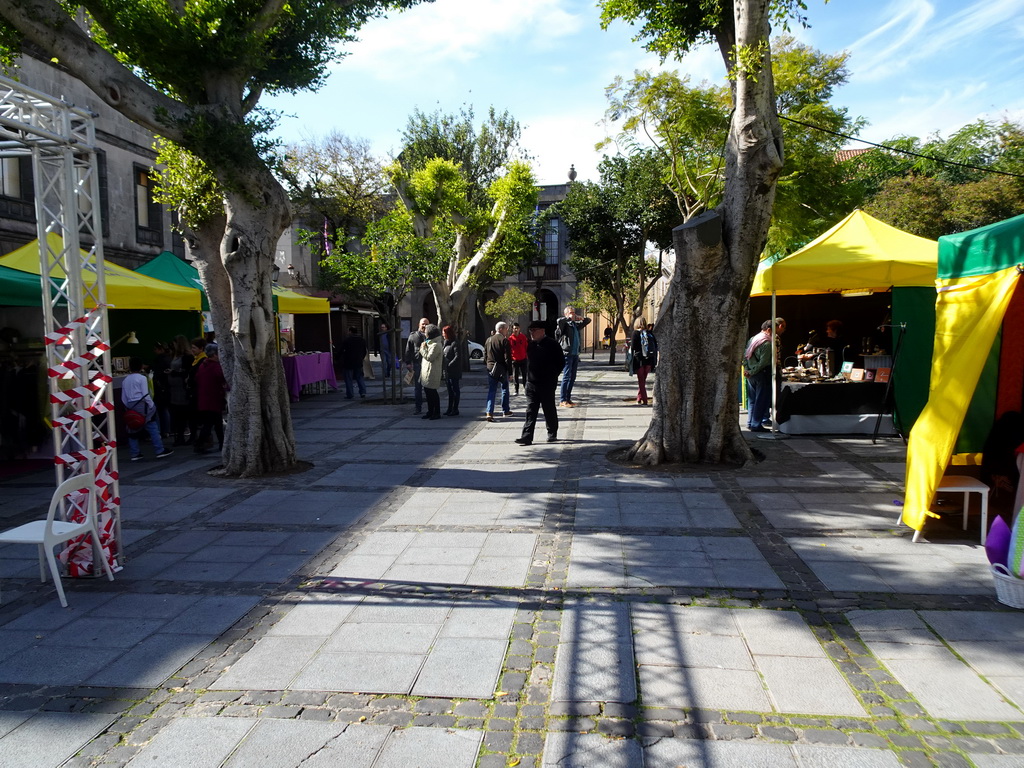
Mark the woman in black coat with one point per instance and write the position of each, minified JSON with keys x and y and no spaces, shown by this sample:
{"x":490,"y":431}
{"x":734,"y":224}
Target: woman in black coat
{"x":643,"y":348}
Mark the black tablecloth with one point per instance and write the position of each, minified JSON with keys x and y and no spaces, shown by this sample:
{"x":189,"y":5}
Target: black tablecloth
{"x":819,"y":399}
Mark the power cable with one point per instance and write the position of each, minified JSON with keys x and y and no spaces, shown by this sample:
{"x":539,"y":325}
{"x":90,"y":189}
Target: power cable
{"x":903,"y":151}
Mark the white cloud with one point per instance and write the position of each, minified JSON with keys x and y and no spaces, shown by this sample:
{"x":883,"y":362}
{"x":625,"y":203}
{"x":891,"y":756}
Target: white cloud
{"x":915,"y":32}
{"x":457,"y":31}
{"x":558,"y":141}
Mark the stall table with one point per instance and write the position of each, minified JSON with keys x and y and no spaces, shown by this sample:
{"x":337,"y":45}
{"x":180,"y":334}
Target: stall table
{"x":837,"y":408}
{"x":315,"y":369}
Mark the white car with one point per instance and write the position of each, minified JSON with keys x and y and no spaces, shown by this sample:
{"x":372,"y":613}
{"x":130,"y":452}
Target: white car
{"x":476,"y":351}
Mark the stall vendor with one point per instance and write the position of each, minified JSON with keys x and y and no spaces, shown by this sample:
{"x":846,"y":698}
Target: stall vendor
{"x":833,"y":341}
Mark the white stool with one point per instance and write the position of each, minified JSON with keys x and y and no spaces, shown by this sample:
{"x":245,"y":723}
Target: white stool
{"x":967,"y":486}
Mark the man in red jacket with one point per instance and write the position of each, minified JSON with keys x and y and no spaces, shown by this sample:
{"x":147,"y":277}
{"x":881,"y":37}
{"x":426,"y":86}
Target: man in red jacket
{"x":517,"y":342}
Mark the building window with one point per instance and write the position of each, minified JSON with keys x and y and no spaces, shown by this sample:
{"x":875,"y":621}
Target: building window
{"x":550,"y":245}
{"x":11,"y":177}
{"x":148,"y":213}
{"x":16,"y":190}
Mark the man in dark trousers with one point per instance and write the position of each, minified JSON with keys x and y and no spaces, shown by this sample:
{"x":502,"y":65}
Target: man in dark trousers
{"x":546,"y":360}
{"x":414,"y":361}
{"x":352,"y":352}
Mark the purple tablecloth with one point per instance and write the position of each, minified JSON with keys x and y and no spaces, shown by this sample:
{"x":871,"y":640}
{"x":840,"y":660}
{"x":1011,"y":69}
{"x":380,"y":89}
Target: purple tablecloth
{"x":307,"y":369}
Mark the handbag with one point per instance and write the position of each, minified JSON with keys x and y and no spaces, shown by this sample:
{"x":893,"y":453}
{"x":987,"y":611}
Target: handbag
{"x":409,"y":378}
{"x":134,"y":421}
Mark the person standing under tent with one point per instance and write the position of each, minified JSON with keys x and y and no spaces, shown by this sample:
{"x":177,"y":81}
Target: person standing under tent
{"x":757,"y":369}
{"x":135,"y":397}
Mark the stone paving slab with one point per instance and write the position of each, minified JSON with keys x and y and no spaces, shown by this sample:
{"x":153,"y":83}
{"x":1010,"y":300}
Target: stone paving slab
{"x":485,"y":559}
{"x":535,"y":476}
{"x":709,"y":658}
{"x":660,"y":509}
{"x":622,"y":560}
{"x":849,"y":564}
{"x":930,"y":671}
{"x":673,"y":753}
{"x":379,"y":645}
{"x":46,"y":739}
{"x":106,"y":642}
{"x":306,"y":508}
{"x":573,"y":750}
{"x":233,"y":743}
{"x":471,"y":508}
{"x":828,"y":511}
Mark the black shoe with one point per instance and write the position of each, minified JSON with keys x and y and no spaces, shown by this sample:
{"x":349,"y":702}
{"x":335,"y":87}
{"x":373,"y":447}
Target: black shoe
{"x":455,"y":412}
{"x":425,"y":416}
{"x":552,"y":439}
{"x":435,"y":417}
{"x":164,"y":452}
{"x":524,"y":441}
{"x":758,"y":428}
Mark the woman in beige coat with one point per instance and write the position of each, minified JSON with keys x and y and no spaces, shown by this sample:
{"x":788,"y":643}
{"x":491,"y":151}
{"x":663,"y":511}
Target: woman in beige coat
{"x":431,"y":351}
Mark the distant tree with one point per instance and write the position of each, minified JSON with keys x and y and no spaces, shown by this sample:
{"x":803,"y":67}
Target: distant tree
{"x":512,"y":304}
{"x":610,"y":225}
{"x":953,"y":186}
{"x":193,"y":72}
{"x":336,"y":184}
{"x":466,"y":205}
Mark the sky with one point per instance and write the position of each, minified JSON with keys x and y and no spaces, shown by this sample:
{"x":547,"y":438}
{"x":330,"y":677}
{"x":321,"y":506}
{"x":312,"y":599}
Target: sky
{"x":918,"y":67}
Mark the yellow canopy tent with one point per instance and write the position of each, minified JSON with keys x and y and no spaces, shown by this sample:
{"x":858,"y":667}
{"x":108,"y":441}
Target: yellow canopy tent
{"x":860,"y":253}
{"x":978,"y":274}
{"x":125,"y":289}
{"x":298,"y":304}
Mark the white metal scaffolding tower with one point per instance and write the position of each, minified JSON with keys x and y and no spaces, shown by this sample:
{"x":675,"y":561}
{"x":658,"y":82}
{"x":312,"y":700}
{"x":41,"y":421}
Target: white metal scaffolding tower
{"x":61,"y":140}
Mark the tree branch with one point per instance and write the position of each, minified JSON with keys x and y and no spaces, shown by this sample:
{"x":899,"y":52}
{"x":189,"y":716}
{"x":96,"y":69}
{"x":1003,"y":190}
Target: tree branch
{"x":46,"y":24}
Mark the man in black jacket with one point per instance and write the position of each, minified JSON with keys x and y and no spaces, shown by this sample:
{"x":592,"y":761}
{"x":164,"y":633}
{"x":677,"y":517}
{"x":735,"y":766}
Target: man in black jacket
{"x":414,"y":361}
{"x":352,"y":352}
{"x":546,"y":359}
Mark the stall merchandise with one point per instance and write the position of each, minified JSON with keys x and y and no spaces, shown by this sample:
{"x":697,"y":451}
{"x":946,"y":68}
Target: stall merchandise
{"x":125,"y":289}
{"x":979,"y":290}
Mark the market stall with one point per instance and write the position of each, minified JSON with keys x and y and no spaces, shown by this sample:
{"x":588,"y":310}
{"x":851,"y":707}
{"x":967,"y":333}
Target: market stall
{"x":859,"y":256}
{"x":977,"y":373}
{"x":312,"y":371}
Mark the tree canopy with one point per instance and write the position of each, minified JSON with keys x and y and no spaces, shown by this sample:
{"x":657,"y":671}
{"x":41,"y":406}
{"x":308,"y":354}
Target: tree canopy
{"x":689,"y":126}
{"x":610,"y":225}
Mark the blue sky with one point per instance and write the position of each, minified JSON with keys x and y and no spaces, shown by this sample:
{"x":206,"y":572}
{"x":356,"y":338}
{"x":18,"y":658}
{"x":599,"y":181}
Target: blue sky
{"x":917,"y":67}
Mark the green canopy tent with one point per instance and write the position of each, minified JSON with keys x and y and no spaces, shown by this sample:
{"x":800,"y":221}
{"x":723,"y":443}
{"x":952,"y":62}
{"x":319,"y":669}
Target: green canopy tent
{"x":20,"y":289}
{"x":171,"y":269}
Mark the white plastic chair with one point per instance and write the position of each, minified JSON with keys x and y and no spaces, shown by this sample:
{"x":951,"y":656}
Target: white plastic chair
{"x":48,"y":533}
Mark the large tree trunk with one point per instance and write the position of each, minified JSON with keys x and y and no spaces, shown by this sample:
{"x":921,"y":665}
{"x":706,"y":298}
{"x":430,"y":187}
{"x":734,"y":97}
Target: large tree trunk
{"x":259,"y":438}
{"x":703,"y":322}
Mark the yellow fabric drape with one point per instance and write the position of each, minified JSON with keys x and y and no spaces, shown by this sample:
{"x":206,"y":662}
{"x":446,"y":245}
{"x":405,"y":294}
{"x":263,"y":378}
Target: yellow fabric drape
{"x":968,"y":314}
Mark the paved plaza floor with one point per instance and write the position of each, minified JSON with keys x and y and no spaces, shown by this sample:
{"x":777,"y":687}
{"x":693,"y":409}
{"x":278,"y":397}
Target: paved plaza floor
{"x":430,"y":594}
